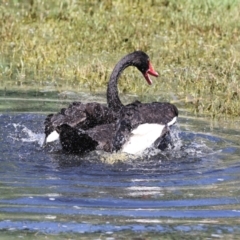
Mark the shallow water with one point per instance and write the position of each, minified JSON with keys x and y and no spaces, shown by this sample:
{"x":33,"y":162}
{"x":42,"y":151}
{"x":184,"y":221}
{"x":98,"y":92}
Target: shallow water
{"x":193,"y":190}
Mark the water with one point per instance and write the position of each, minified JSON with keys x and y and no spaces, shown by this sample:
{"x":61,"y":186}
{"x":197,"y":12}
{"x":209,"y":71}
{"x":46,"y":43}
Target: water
{"x":192,"y":191}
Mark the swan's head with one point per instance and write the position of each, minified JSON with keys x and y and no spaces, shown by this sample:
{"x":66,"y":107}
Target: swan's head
{"x":142,"y":62}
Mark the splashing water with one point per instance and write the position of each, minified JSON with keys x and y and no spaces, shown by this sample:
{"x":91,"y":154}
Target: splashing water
{"x":196,"y":147}
{"x":24,"y":134}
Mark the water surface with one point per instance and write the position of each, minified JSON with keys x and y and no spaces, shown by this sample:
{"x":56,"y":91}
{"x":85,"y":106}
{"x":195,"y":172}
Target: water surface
{"x":191,"y":191}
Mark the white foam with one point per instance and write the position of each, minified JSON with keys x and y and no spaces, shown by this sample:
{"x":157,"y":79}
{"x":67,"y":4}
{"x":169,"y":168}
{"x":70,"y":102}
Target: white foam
{"x":142,"y":138}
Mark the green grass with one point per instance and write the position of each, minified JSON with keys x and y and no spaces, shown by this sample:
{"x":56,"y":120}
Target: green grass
{"x":195,"y":46}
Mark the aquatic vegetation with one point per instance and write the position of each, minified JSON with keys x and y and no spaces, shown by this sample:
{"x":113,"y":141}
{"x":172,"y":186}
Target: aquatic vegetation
{"x":74,"y":44}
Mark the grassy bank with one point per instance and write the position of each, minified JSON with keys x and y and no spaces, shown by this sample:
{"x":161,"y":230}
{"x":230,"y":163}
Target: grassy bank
{"x":195,"y":46}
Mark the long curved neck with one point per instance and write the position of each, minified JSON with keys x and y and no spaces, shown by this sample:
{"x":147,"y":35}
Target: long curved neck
{"x":112,"y":90}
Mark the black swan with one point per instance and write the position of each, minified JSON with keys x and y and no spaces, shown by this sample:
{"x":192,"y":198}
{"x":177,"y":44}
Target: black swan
{"x":131,"y":128}
{"x":83,"y":118}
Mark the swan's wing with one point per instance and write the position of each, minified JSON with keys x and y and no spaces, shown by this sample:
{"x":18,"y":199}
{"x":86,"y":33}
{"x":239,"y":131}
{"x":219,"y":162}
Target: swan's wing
{"x":122,"y":133}
{"x":141,"y":124}
{"x":76,"y":140}
{"x":74,"y":114}
{"x":143,"y":137}
{"x":80,"y":115}
{"x":158,"y":112}
{"x":103,"y":135}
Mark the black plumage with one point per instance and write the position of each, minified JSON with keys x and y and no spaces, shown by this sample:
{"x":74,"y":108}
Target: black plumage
{"x":84,"y":127}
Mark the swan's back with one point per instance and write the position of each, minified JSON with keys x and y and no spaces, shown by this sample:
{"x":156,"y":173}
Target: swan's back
{"x":156,"y":112}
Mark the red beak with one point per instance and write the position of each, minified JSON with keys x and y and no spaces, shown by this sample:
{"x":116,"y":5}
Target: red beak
{"x":150,"y":71}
